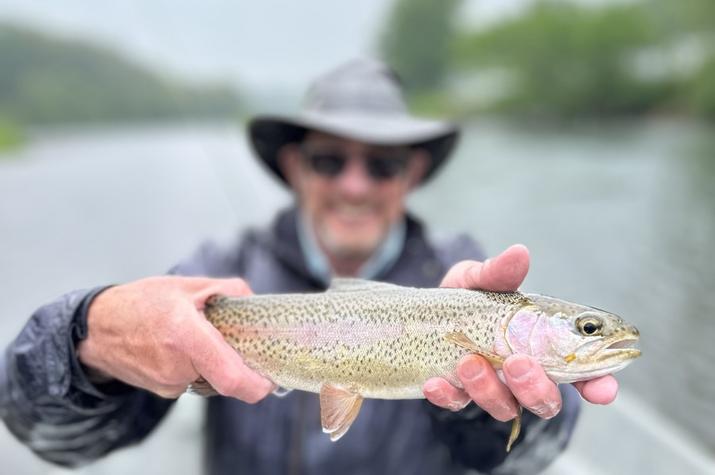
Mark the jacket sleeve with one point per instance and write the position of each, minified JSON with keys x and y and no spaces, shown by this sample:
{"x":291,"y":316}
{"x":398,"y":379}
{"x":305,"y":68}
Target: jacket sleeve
{"x":47,"y":401}
{"x":478,"y":441}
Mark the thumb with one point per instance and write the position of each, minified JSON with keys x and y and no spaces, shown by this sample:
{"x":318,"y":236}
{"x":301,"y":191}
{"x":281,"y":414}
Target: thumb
{"x":506,"y":271}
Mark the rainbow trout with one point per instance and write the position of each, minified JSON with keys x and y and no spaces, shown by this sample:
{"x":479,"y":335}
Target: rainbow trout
{"x":363,"y":339}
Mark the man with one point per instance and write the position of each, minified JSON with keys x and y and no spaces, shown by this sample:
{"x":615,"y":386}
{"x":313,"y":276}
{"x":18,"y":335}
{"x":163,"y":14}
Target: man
{"x":98,"y":369}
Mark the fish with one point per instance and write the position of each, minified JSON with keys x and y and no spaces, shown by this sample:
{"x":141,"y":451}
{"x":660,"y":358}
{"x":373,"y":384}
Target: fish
{"x":366,"y":339}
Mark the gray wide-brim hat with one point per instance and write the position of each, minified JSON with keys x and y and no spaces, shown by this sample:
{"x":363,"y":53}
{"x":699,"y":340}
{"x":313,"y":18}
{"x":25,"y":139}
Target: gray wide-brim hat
{"x":361,"y":100}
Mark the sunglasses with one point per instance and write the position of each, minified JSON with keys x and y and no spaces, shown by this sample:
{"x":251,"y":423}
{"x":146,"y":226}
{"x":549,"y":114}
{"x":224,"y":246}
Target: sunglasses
{"x":380,"y":166}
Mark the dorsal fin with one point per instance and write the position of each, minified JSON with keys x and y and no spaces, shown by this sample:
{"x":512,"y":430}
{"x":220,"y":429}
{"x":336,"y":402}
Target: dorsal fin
{"x":349,"y":284}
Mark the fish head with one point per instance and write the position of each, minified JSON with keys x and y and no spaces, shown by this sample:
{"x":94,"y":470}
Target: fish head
{"x":572,"y":342}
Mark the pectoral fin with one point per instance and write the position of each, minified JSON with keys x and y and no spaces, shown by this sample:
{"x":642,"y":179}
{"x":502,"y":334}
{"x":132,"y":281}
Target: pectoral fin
{"x":460,"y":339}
{"x":515,"y":430}
{"x":201,"y":387}
{"x":338,"y":409}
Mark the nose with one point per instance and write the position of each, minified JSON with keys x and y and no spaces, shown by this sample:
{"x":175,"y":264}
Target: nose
{"x":354,"y":181}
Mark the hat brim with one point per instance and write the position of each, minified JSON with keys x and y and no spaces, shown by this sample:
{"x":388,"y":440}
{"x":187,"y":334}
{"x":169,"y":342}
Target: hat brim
{"x":269,"y":134}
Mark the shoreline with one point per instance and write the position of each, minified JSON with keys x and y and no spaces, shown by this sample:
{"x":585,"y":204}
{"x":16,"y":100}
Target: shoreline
{"x":12,"y":136}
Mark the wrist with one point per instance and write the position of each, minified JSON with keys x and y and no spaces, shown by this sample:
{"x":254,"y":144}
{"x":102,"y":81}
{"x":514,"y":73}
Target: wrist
{"x":87,"y":326}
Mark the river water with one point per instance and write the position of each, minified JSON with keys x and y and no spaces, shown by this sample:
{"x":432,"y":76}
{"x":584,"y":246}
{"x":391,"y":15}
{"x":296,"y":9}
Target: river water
{"x":621,"y":217}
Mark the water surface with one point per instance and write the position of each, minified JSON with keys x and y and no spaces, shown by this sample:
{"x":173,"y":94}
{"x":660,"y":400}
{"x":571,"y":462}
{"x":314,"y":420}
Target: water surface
{"x":621,"y":217}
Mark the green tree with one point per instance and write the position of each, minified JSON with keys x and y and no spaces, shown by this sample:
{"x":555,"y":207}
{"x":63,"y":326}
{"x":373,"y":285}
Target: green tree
{"x":45,"y":79}
{"x":675,"y":19}
{"x":701,"y":92}
{"x":694,"y":21}
{"x":568,"y":60}
{"x":416,"y":42}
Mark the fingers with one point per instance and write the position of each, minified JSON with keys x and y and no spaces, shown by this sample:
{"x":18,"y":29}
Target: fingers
{"x":531,"y":387}
{"x":506,"y":271}
{"x":151,"y":336}
{"x":462,"y":275}
{"x":224,"y":369}
{"x":601,"y":390}
{"x":439,"y":392}
{"x":213,"y":358}
{"x":169,"y":392}
{"x":501,"y":273}
{"x":485,"y":389}
{"x":528,"y":386}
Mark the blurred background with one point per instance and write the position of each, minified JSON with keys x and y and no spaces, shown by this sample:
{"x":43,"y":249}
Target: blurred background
{"x":588,"y":136}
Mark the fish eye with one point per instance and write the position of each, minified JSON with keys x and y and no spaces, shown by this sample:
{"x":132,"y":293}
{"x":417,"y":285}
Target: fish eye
{"x":589,"y":326}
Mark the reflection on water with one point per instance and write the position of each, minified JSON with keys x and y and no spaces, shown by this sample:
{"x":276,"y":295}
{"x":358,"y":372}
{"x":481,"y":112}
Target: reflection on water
{"x":618,"y":217}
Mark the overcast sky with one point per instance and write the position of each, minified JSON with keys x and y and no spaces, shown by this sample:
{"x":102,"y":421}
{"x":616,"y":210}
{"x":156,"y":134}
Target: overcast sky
{"x":260,"y":44}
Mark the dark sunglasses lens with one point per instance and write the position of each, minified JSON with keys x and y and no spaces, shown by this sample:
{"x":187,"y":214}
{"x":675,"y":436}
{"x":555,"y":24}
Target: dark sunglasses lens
{"x":326,"y":163}
{"x":385,"y":168}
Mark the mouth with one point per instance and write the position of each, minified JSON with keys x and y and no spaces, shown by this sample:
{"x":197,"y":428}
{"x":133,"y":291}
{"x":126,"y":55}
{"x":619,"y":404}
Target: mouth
{"x":623,"y":348}
{"x":623,"y":344}
{"x":599,"y":357}
{"x":353,"y":211}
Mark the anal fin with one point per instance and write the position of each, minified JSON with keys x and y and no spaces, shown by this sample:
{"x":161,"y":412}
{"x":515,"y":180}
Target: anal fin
{"x":338,"y":409}
{"x":515,"y":430}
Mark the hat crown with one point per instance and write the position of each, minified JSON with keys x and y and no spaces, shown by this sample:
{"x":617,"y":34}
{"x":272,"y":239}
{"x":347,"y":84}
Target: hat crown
{"x":361,"y":100}
{"x":361,"y":86}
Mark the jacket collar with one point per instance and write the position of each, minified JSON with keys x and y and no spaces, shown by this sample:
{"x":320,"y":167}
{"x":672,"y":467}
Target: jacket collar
{"x":285,"y":246}
{"x":318,"y":265}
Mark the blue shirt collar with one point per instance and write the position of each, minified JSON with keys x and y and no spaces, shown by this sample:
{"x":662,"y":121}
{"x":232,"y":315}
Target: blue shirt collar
{"x":383,"y":258}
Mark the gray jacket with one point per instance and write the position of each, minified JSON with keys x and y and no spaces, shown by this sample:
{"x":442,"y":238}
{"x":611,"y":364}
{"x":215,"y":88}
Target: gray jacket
{"x":48,"y":403}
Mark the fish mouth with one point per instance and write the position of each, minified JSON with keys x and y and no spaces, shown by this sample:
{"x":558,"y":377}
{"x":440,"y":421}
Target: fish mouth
{"x":598,"y":358}
{"x":622,"y":348}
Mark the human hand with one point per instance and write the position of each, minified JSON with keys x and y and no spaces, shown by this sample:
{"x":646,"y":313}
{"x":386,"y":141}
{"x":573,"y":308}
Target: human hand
{"x":152,"y":334}
{"x":526,"y":383}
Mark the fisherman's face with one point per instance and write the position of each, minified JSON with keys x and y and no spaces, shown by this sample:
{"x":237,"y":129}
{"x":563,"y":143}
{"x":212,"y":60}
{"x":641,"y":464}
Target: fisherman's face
{"x":351,"y":192}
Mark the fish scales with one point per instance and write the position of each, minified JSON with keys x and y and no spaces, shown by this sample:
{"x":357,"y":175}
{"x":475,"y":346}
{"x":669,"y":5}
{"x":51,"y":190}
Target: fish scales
{"x":382,"y":343}
{"x":368,"y":339}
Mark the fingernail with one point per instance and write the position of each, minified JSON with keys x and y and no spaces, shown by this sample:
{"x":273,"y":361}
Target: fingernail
{"x":433,"y":389}
{"x":507,"y":411}
{"x":547,"y":410}
{"x":455,"y":406}
{"x":437,"y":395}
{"x":519,"y":368}
{"x":471,"y":370}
